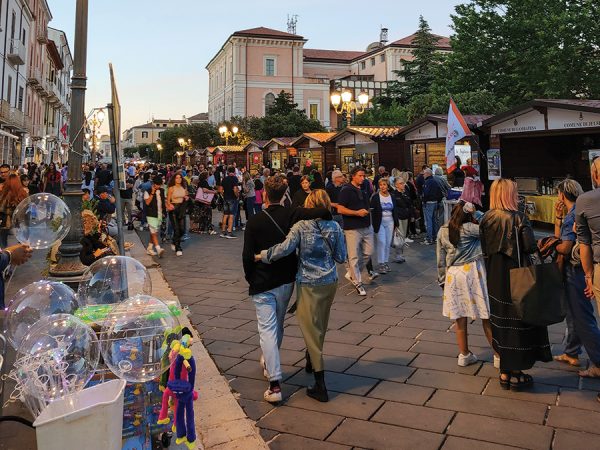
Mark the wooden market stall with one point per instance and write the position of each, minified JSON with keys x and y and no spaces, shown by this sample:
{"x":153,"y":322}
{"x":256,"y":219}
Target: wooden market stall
{"x":316,"y":151}
{"x":256,"y":155}
{"x":540,"y":143}
{"x":282,"y":154}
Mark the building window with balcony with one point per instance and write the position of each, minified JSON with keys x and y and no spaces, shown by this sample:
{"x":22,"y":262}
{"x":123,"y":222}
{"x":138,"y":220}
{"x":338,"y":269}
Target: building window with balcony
{"x":269,"y":101}
{"x":144,"y":134}
{"x":313,"y":110}
{"x":270,"y":67}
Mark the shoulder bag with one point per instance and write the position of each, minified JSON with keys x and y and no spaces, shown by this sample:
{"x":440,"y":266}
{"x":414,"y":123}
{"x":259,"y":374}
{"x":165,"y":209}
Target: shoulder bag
{"x":537,"y":291}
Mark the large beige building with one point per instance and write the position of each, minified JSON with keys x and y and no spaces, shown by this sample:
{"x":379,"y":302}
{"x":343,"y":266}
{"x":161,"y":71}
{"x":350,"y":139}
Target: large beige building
{"x":255,"y":65}
{"x":149,"y":133}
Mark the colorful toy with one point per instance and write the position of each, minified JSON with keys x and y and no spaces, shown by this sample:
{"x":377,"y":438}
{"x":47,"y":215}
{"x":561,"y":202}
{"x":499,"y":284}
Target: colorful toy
{"x":182,"y":387}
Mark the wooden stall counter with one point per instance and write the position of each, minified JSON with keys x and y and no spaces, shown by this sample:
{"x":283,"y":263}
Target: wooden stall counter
{"x":544,"y":207}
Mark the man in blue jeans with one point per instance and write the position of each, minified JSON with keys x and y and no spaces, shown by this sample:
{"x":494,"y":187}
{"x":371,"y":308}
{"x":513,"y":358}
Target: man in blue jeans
{"x":230,"y":186}
{"x":271,"y":285}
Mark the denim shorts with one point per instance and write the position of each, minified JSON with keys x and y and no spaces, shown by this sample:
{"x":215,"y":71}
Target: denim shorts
{"x":230,"y":207}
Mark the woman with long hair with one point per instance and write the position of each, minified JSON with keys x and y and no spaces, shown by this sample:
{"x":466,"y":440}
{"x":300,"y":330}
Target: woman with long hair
{"x":11,"y":195}
{"x":301,"y":194}
{"x":322,"y":245}
{"x":507,"y":242}
{"x":204,"y":211}
{"x":177,"y":197}
{"x":384,"y":219}
{"x":53,"y":180}
{"x":461,"y":274}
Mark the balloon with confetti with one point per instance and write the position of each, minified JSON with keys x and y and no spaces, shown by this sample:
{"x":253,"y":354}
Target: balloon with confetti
{"x":41,"y":220}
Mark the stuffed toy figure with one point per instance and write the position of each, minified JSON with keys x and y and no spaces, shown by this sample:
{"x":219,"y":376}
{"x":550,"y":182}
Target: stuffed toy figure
{"x":182,"y":388}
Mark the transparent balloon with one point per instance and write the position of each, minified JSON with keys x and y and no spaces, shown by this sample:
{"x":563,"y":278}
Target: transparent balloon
{"x":41,"y":220}
{"x":113,"y":279}
{"x":34,"y":302}
{"x":58,"y":356}
{"x":134,"y":337}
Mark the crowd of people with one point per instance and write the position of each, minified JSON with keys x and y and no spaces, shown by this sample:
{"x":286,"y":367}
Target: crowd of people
{"x":299,"y":226}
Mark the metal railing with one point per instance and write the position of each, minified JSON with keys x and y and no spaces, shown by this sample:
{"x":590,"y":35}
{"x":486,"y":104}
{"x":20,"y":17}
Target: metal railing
{"x":41,"y":33}
{"x":38,"y":130}
{"x":16,"y":52}
{"x":16,"y":118}
{"x":34,"y":76}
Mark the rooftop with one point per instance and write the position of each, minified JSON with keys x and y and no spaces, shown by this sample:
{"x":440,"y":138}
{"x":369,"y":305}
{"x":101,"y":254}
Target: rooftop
{"x":442,"y":43}
{"x":320,"y":137}
{"x":285,"y":141}
{"x":229,"y":148}
{"x":376,"y":132}
{"x":267,"y":33}
{"x":199,"y":116}
{"x":331,"y":55}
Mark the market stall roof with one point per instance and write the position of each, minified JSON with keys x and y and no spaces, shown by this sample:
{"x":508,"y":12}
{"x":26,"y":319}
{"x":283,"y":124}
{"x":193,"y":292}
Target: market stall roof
{"x":473,"y":120}
{"x":543,"y":115}
{"x":371,"y":132}
{"x":230,"y":148}
{"x":283,"y":141}
{"x":321,"y":138}
{"x":258,"y":143}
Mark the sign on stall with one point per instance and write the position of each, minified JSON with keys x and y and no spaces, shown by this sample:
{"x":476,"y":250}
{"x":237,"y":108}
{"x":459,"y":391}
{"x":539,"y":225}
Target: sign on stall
{"x":494,"y":162}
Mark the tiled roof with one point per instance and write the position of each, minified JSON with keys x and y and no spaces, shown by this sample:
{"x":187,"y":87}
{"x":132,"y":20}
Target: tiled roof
{"x":259,"y":143}
{"x":230,"y":148}
{"x":333,"y":55}
{"x":267,"y":32}
{"x":199,"y":116}
{"x":376,"y":132}
{"x":320,"y":137}
{"x":285,"y":141}
{"x":471,"y":119}
{"x":443,"y":42}
{"x":571,"y":102}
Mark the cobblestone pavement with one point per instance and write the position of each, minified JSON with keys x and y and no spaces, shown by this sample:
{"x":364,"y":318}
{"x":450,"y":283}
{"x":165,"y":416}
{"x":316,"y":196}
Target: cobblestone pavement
{"x":391,"y":366}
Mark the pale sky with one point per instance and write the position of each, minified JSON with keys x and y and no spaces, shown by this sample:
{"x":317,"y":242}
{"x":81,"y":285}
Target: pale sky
{"x":159,"y":49}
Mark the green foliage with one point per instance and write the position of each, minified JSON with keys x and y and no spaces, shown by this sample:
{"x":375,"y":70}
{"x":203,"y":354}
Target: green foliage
{"x":418,"y":75}
{"x":523,"y":49}
{"x":471,"y":102}
{"x":202,"y":135}
{"x":387,"y":113}
{"x":91,"y":205}
{"x":284,"y":105}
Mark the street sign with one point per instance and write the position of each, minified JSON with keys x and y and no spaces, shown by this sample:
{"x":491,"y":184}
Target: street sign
{"x":29,"y":152}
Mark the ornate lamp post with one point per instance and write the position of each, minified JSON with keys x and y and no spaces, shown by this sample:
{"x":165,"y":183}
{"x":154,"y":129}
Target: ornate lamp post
{"x":69,"y":267}
{"x":159,"y":147}
{"x":94,"y":122}
{"x":226,"y":133}
{"x":343,"y":104}
{"x":184,"y":144}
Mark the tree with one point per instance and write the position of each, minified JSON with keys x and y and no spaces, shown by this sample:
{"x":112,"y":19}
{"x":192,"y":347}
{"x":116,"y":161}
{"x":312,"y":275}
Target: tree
{"x":521,"y":49}
{"x":386,"y":113}
{"x":284,"y":105}
{"x":474,"y":102}
{"x":417,"y":76}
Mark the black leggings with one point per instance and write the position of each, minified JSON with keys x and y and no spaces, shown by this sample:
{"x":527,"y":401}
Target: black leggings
{"x":177,"y":217}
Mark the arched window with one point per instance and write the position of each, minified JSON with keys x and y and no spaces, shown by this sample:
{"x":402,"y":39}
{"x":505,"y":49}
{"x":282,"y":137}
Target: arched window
{"x":269,"y":101}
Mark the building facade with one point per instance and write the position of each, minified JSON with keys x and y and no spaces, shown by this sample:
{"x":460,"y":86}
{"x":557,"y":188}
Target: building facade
{"x":149,"y":133}
{"x":253,"y":66}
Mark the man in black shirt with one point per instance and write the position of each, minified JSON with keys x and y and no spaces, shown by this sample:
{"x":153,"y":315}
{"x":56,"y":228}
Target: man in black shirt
{"x":229,"y":185}
{"x":353,"y":205}
{"x":294,"y":181}
{"x":103,"y":177}
{"x":127,"y":202}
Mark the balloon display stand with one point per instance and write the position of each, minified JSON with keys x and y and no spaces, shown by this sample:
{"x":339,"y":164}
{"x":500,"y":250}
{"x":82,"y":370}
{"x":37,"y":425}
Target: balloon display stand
{"x":91,"y":417}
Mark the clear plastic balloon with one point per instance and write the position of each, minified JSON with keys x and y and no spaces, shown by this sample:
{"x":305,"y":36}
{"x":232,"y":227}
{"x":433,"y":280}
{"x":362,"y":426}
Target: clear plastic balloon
{"x":58,"y":356}
{"x":113,"y":279}
{"x":34,"y":302}
{"x":41,"y":220}
{"x":133,"y":338}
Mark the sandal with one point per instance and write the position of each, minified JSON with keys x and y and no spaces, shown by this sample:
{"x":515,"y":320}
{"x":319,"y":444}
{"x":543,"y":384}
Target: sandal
{"x":591,"y":372}
{"x":570,"y":360}
{"x":523,"y":381}
{"x":504,"y":382}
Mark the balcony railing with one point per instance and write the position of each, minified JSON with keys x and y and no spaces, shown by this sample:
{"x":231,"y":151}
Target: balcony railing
{"x":16,"y":52}
{"x":4,"y":111}
{"x":34,"y":77}
{"x":41,"y":33}
{"x":17,"y":118}
{"x":38,"y":131}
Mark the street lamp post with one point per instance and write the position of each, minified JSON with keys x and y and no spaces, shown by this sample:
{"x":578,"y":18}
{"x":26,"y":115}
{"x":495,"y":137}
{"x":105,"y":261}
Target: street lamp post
{"x":343,"y":104}
{"x":69,"y":267}
{"x":184,"y":144}
{"x":159,"y":147}
{"x":226,"y":133}
{"x":94,"y":122}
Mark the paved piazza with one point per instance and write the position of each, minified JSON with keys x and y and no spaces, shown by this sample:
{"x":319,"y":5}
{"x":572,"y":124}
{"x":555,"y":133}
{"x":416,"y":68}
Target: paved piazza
{"x":391,"y":366}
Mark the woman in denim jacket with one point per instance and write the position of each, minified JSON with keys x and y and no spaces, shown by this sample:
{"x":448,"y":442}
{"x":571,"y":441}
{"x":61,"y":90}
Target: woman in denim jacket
{"x":321,"y":244}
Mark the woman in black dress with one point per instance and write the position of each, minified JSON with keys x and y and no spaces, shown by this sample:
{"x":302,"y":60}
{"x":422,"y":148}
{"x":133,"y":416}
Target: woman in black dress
{"x":519,"y":344}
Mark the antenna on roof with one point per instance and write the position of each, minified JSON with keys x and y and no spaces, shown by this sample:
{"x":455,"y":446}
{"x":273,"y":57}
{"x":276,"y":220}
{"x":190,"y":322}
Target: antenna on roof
{"x":383,"y":36}
{"x":291,"y":23}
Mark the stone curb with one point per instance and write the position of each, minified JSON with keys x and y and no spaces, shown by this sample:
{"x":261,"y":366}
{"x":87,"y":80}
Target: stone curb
{"x":221,"y":422}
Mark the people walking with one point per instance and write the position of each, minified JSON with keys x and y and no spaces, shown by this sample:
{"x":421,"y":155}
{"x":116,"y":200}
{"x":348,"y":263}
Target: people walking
{"x":354,"y":206}
{"x":177,"y":197}
{"x":507,"y":242}
{"x":385,"y":219}
{"x":300,"y":196}
{"x":321,"y":245}
{"x":249,"y":194}
{"x":404,"y":212}
{"x":154,"y":199}
{"x":432,"y":199}
{"x":271,"y":285}
{"x":11,"y":195}
{"x":582,"y":328}
{"x":231,"y":205}
{"x":462,"y":276}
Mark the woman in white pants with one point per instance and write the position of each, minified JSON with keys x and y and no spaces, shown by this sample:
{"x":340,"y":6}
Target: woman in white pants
{"x":384,"y":219}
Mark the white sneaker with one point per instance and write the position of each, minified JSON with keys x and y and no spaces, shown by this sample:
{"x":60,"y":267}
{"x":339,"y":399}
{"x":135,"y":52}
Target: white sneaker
{"x":373,"y":275}
{"x":408,"y":240}
{"x":348,"y":277}
{"x":264,"y":367}
{"x":496,"y":362}
{"x":160,"y":251}
{"x":179,"y":253}
{"x":150,"y":251}
{"x":361,"y":290}
{"x":173,"y":247}
{"x":223,"y":235}
{"x":467,"y":360}
{"x":212,"y":232}
{"x":272,"y":396}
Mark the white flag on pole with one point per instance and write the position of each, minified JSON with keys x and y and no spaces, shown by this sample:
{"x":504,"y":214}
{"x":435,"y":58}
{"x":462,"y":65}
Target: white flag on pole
{"x":457,"y":129}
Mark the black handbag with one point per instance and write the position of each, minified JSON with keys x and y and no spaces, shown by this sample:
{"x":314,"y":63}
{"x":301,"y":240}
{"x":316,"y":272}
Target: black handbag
{"x":537,"y":291}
